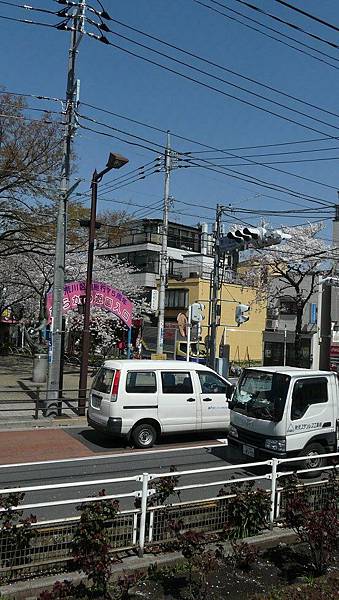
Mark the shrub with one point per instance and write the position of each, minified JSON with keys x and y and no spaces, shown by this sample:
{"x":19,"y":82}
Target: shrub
{"x":16,"y":532}
{"x":91,"y":543}
{"x":248,"y":510}
{"x":244,"y":555}
{"x":319,"y":529}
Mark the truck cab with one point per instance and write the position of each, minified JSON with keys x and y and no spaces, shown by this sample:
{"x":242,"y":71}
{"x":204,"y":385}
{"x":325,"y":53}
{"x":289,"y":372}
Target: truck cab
{"x":285,"y":412}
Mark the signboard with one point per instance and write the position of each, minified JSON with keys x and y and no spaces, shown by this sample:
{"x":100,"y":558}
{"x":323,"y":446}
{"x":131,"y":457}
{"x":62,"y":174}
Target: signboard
{"x":103,"y":296}
{"x":155,"y":300}
{"x":158,"y":356}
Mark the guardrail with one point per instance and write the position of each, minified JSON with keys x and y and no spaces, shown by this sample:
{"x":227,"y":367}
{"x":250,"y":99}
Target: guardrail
{"x":137,"y":527}
{"x":31,"y":401}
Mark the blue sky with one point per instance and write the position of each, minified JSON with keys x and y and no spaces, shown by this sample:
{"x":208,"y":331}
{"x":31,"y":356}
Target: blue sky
{"x":34,"y":61}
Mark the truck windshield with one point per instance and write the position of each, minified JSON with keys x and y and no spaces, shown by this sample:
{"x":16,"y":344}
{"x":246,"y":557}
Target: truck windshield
{"x":261,"y":395}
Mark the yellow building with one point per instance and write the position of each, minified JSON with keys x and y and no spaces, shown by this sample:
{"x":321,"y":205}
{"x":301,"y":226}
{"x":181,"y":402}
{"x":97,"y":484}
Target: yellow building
{"x":245,"y":341}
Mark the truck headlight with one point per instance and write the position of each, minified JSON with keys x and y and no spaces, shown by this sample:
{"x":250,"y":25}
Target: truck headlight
{"x":276,"y":445}
{"x":233,"y":432}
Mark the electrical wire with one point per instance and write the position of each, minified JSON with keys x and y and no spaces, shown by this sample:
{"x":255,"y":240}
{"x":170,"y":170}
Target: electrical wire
{"x":30,"y":22}
{"x":219,"y":79}
{"x":190,"y":162}
{"x":284,"y":35}
{"x":277,"y":144}
{"x":276,"y":162}
{"x":309,"y":15}
{"x":231,"y":173}
{"x":287,"y":23}
{"x":219,"y":66}
{"x":285,"y":153}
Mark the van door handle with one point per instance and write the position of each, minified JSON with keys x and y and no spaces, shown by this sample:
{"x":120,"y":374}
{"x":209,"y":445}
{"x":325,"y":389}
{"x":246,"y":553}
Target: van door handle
{"x":190,"y":400}
{"x":207,"y":399}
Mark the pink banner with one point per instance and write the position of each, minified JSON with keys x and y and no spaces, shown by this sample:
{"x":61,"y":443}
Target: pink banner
{"x":103,"y":296}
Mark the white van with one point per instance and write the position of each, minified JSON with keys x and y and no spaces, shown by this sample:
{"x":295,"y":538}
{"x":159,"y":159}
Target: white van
{"x":141,"y":400}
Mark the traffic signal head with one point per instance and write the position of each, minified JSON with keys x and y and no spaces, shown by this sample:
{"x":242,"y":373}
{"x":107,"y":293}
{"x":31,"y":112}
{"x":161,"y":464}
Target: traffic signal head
{"x":240,"y":311}
{"x":197,"y":312}
{"x":257,"y":237}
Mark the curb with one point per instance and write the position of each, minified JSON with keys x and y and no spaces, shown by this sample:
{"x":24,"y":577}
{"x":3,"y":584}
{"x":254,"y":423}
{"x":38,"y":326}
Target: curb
{"x":30,"y":590}
{"x":44,"y":424}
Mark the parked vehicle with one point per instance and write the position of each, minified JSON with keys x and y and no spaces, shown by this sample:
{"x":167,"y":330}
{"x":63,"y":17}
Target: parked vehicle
{"x":285,"y":412}
{"x":141,"y":400}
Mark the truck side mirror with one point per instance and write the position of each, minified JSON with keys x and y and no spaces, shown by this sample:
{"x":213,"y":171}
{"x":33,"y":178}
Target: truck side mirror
{"x":229,"y":391}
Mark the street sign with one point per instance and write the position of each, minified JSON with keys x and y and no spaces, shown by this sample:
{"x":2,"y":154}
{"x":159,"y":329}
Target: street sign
{"x":155,"y":300}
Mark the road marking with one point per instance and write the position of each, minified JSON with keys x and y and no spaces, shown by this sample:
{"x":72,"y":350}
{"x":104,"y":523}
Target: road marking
{"x":113,"y":455}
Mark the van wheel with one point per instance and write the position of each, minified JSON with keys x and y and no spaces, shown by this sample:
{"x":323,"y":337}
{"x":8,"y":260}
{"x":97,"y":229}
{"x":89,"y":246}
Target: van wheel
{"x":144,"y":436}
{"x":314,"y":460}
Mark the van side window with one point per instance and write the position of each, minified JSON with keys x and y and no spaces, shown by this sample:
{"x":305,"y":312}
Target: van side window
{"x":307,"y":392}
{"x":141,"y":382}
{"x":211,"y":384}
{"x":176,"y":382}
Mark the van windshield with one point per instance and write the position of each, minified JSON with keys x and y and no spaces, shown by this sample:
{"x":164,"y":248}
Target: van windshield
{"x":261,"y":395}
{"x":103,"y":380}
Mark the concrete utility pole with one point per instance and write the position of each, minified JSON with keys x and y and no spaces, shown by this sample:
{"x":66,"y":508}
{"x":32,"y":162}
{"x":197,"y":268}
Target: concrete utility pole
{"x":72,"y":97}
{"x":324,"y":323}
{"x":163,"y":257}
{"x":214,"y":289}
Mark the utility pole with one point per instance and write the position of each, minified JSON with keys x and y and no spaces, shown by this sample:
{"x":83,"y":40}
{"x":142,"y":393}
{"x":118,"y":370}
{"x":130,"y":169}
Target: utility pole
{"x":163,"y":257}
{"x":72,"y":97}
{"x":324,"y":331}
{"x":214,"y":289}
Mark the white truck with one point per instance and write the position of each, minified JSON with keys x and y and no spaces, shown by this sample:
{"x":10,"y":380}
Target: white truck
{"x":285,"y":412}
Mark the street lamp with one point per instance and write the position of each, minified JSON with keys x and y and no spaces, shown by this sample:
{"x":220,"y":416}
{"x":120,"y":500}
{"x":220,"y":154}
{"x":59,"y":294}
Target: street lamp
{"x":115,"y":161}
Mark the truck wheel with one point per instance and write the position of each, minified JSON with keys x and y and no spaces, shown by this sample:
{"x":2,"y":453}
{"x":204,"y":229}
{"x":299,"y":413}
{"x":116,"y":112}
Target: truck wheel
{"x":144,"y":436}
{"x":314,"y":460}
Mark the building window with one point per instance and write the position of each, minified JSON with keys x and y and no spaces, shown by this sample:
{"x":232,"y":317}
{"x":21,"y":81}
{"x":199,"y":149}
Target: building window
{"x":287,"y":307}
{"x":146,"y":261}
{"x":176,"y":298}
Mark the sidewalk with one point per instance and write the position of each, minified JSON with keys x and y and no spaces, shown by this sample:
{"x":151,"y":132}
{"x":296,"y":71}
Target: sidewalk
{"x":18,"y":394}
{"x":39,"y":445}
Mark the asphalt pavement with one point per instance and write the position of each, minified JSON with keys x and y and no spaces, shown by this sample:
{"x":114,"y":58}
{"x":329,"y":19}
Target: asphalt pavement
{"x":99,"y":459}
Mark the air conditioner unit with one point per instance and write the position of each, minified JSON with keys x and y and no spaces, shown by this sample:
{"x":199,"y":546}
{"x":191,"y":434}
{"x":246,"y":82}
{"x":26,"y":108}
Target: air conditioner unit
{"x":194,"y":274}
{"x":272,"y":324}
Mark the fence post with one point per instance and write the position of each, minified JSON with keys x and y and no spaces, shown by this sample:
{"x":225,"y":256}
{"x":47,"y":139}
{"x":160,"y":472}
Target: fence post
{"x":273,"y":490}
{"x":144,"y":495}
{"x":37,"y":403}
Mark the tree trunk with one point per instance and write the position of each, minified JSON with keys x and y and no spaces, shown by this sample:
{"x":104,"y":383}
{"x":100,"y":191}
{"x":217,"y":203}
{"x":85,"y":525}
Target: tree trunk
{"x":298,"y":339}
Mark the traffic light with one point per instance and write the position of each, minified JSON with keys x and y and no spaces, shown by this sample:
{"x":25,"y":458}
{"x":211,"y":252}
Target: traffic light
{"x":257,"y":237}
{"x":197,"y":312}
{"x":240,"y":311}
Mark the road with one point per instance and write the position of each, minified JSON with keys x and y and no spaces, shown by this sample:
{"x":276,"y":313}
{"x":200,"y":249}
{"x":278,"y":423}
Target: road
{"x":99,"y":461}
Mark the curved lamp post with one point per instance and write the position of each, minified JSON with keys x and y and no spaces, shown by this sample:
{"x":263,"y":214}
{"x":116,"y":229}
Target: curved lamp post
{"x":115,"y":161}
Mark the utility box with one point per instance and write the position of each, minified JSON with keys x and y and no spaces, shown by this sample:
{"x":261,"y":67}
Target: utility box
{"x":40,"y":364}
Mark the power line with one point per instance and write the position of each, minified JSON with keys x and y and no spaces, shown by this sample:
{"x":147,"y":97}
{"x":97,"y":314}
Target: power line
{"x":230,"y":172}
{"x":30,"y":22}
{"x":286,"y":153}
{"x":284,"y":35}
{"x":287,"y":23}
{"x":220,"y":79}
{"x":219,"y":66}
{"x":309,"y":15}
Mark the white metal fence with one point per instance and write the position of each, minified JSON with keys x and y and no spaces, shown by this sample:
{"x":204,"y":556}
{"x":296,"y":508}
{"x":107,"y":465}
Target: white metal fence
{"x":134,"y":529}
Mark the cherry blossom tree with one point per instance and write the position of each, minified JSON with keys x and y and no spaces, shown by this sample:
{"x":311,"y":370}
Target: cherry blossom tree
{"x":291,"y":268}
{"x":106,"y":329}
